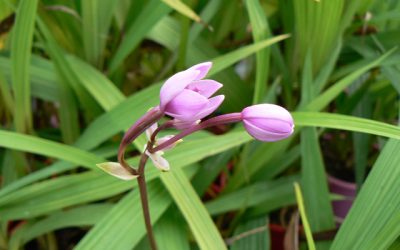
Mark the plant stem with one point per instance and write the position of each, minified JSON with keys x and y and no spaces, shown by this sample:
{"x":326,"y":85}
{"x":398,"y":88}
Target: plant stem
{"x":133,"y":132}
{"x":144,"y":200}
{"x":222,"y":119}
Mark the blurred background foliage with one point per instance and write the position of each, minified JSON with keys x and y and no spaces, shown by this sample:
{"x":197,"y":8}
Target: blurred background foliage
{"x":74,"y":75}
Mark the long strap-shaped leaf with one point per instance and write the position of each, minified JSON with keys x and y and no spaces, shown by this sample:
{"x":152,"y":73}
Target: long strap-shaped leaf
{"x":374,"y":219}
{"x":313,"y":177}
{"x":20,"y":59}
{"x":260,"y":30}
{"x":346,"y":122}
{"x":40,"y":146}
{"x":96,"y":20}
{"x":199,"y":220}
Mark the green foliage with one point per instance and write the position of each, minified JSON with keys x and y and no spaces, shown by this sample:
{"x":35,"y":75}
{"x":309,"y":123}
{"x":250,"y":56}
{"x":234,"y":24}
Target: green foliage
{"x":74,"y":75}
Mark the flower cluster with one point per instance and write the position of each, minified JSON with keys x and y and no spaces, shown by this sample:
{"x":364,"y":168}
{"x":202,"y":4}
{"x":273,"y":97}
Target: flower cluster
{"x":188,"y":98}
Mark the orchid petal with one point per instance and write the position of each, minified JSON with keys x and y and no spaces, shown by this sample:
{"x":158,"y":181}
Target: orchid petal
{"x":175,"y":84}
{"x":263,"y":135}
{"x":186,"y":105}
{"x":212,"y":105}
{"x":166,"y":138}
{"x":151,"y":130}
{"x":203,"y":68}
{"x":274,"y":125}
{"x":159,"y":161}
{"x":266,"y":111}
{"x":205,"y":88}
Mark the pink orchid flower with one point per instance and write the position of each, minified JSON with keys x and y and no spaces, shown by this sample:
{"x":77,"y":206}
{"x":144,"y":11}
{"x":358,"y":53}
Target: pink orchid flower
{"x":186,"y":95}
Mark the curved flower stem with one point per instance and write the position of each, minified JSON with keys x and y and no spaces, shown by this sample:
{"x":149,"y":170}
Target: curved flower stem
{"x":165,"y":125}
{"x":218,"y":120}
{"x":143,"y":198}
{"x":134,"y":131}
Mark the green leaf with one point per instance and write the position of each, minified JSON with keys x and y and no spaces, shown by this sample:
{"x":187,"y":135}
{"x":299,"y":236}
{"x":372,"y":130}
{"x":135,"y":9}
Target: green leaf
{"x":99,"y":86}
{"x":148,"y":17}
{"x":48,"y":196}
{"x":43,"y":80}
{"x":316,"y":18}
{"x":307,"y":229}
{"x":200,"y":222}
{"x":123,"y":227}
{"x":128,"y":214}
{"x":96,"y":20}
{"x":42,"y":200}
{"x":183,"y":9}
{"x":260,"y":31}
{"x":274,"y":193}
{"x":327,"y":96}
{"x":64,"y":70}
{"x":170,"y":232}
{"x":5,"y":94}
{"x":76,"y":217}
{"x":187,"y":153}
{"x":373,"y":221}
{"x":345,"y":122}
{"x":41,"y":146}
{"x":20,"y":58}
{"x":253,"y":234}
{"x":229,"y":59}
{"x":314,"y":182}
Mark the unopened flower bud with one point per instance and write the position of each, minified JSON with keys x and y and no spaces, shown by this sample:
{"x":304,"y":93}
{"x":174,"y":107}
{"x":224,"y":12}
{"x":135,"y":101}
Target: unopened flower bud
{"x":267,"y":122}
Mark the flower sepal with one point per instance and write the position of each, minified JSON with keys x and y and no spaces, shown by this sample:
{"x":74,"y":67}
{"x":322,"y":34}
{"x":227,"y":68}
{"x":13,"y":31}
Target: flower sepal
{"x":115,"y":169}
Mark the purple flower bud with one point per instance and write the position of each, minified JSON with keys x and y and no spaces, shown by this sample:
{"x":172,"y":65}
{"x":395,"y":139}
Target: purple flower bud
{"x":267,"y":122}
{"x":186,"y":97}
